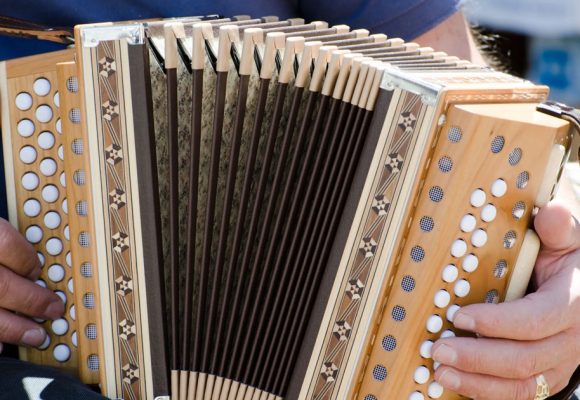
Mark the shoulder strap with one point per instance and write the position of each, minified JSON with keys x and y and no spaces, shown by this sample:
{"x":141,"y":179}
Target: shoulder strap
{"x":21,"y":28}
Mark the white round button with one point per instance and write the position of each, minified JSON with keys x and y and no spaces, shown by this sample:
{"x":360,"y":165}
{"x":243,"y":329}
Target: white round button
{"x":73,"y":312}
{"x":46,"y":140}
{"x":61,"y":353}
{"x":70,"y":286}
{"x":442,"y":298}
{"x":58,"y":125}
{"x":462,"y":288}
{"x":61,"y":294}
{"x":66,"y":232}
{"x":48,"y":167}
{"x":30,"y":181}
{"x":470,"y":263}
{"x":435,"y":390}
{"x":56,"y":273}
{"x":416,"y":396}
{"x":434,"y":323}
{"x":62,"y":179}
{"x":59,"y":326}
{"x":60,"y":152}
{"x":74,"y":339}
{"x":31,"y":207}
{"x":25,"y":128}
{"x":458,"y":248}
{"x":43,"y":113}
{"x":467,"y":223}
{"x":436,"y":365}
{"x":54,"y":246}
{"x":447,"y":333}
{"x":65,"y":206}
{"x":477,"y":198}
{"x":40,"y":283}
{"x":479,"y":238}
{"x":421,"y":375}
{"x":45,"y":344}
{"x":34,"y":234}
{"x":28,"y":154}
{"x":56,"y":99}
{"x":425,"y":349}
{"x":41,"y":86}
{"x":40,"y":258}
{"x":498,"y":188}
{"x":52,"y":220}
{"x":451,"y":312}
{"x":488,"y":213}
{"x":23,"y":101}
{"x":450,"y":273}
{"x":50,"y":193}
{"x":68,"y":259}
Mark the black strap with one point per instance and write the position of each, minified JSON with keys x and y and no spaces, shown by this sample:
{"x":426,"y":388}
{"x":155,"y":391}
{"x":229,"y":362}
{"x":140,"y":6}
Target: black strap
{"x":20,"y":28}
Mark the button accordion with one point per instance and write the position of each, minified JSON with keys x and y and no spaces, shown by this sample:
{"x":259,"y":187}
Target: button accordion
{"x":252,"y":209}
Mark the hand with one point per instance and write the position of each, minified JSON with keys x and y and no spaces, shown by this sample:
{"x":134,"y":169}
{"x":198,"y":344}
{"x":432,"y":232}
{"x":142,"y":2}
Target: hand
{"x":538,"y":334}
{"x":20,"y":297}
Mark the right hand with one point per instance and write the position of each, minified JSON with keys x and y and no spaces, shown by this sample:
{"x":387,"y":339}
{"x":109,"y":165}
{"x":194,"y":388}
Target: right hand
{"x":20,"y":297}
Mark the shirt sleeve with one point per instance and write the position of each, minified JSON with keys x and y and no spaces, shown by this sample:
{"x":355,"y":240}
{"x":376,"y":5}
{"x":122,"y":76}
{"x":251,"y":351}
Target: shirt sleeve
{"x":406,"y":19}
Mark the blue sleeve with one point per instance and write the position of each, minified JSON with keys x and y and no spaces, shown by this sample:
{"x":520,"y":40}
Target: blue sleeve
{"x":406,"y":19}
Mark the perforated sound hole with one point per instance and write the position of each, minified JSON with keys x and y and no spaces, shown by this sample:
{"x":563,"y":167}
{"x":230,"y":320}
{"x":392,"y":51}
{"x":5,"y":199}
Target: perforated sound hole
{"x":509,"y":240}
{"x":389,"y":343}
{"x":93,"y":362}
{"x":72,"y":84}
{"x":408,"y":283}
{"x":87,"y":270}
{"x":398,"y":313}
{"x":492,"y":297}
{"x":500,"y":269}
{"x":89,"y":301}
{"x":370,"y":397}
{"x":497,"y":144}
{"x":523,"y":179}
{"x":515,"y":156}
{"x":75,"y":115}
{"x":79,"y":177}
{"x":417,"y":254}
{"x":436,"y":194}
{"x":445,"y":164}
{"x":82,"y":208}
{"x":455,"y":134}
{"x":78,"y":146}
{"x":379,"y":372}
{"x":426,"y":224}
{"x":84,"y":239}
{"x":91,"y":331}
{"x":519,"y":210}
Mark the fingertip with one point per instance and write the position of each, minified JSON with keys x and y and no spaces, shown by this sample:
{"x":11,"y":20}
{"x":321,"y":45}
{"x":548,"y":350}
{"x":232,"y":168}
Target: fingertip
{"x":556,"y":226}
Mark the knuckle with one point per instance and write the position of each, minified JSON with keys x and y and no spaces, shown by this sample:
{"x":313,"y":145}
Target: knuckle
{"x":4,"y":283}
{"x":525,"y":364}
{"x":35,"y":302}
{"x":10,"y":330}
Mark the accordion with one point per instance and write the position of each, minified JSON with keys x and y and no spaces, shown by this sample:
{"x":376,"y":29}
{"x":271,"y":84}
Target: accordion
{"x":244,"y":209}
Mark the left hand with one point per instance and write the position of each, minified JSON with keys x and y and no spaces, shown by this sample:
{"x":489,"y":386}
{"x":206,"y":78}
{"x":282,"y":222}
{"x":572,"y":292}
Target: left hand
{"x":538,"y":334}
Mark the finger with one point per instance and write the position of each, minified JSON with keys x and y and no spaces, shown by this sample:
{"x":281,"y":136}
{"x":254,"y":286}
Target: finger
{"x":19,"y":330}
{"x":24,"y":296}
{"x":506,"y":358}
{"x":534,"y":317}
{"x":558,"y":230}
{"x":485,"y":387}
{"x":16,"y":253}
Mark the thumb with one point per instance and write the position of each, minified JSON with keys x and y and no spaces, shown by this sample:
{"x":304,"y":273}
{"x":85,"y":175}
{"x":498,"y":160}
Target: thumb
{"x":558,"y":230}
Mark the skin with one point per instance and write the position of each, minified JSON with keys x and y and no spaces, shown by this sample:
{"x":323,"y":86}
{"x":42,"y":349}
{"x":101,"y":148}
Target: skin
{"x":538,"y":334}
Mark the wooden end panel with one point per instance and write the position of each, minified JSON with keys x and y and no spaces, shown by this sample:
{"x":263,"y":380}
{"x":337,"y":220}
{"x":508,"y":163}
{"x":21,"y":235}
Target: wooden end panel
{"x":479,"y":147}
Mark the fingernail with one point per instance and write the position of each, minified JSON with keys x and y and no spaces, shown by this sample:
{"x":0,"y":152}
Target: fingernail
{"x":449,"y":379}
{"x":464,"y":321}
{"x":55,"y":309}
{"x":33,"y":337}
{"x":445,"y":355}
